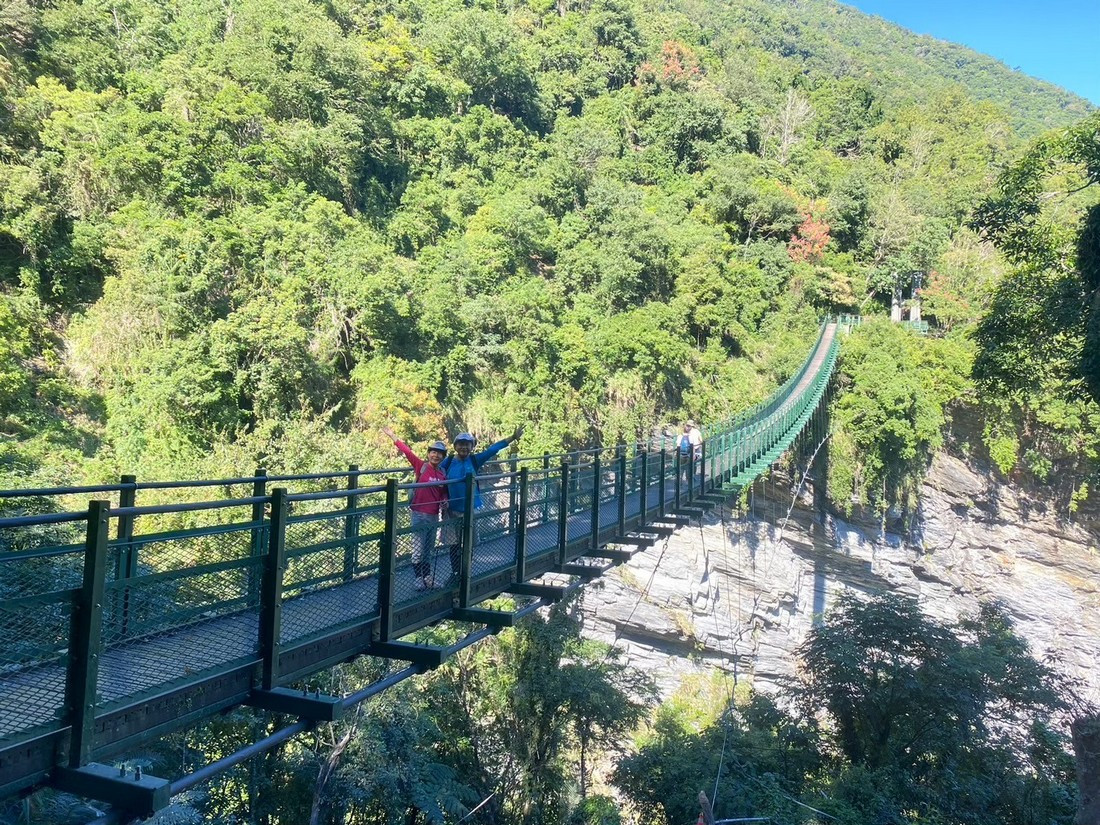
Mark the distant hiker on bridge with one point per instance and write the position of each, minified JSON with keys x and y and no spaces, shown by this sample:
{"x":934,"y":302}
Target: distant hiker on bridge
{"x":428,"y":505}
{"x":690,"y":442}
{"x":465,"y":462}
{"x":690,"y":445}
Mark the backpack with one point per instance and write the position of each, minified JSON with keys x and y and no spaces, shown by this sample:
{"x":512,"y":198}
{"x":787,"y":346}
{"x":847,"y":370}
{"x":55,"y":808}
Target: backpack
{"x":685,"y":445}
{"x":445,"y":465}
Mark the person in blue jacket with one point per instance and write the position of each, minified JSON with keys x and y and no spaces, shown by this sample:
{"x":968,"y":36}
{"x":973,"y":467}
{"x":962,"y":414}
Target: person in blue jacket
{"x":466,"y":462}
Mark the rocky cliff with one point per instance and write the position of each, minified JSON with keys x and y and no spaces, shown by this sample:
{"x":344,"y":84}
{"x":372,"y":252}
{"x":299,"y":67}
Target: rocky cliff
{"x":740,"y":590}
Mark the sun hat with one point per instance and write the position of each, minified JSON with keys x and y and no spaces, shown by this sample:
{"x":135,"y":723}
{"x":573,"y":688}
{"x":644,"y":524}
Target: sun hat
{"x":465,"y":437}
{"x":438,"y":446}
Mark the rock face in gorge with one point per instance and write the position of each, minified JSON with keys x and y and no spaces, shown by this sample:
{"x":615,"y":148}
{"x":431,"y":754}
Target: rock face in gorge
{"x":739,"y":591}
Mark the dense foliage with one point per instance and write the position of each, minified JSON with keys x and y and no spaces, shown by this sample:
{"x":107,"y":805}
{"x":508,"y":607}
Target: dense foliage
{"x":896,"y":389}
{"x":897,"y":718}
{"x":1039,"y":344}
{"x":249,"y":233}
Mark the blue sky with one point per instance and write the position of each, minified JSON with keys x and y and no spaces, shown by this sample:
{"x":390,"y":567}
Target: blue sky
{"x":1056,"y":40}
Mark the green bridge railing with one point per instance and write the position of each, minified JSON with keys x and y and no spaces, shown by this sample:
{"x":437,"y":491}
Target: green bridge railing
{"x":128,"y":618}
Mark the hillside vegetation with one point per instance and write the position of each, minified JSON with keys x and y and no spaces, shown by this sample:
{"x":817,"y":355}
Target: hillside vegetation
{"x":250,"y":233}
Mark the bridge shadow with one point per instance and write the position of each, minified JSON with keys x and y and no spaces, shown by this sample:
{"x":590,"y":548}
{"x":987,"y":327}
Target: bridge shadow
{"x":835,"y":553}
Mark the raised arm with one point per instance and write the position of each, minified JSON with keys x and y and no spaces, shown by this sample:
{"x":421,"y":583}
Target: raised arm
{"x":403,"y":448}
{"x":493,"y":449}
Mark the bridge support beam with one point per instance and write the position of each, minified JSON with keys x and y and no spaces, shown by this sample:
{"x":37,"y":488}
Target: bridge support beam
{"x":481,"y":615}
{"x":315,"y":708}
{"x":641,"y":542}
{"x":587,"y":572}
{"x":135,"y":793}
{"x":617,"y":556}
{"x":550,"y":592}
{"x":423,"y":655}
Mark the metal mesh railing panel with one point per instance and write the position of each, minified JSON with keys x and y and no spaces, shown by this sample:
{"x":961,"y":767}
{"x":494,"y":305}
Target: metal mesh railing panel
{"x":168,"y":587}
{"x":330,"y":577}
{"x":174,"y":621}
{"x":39,"y":537}
{"x":22,"y":575}
{"x":193,"y":548}
{"x":579,"y":501}
{"x":34,"y":638}
{"x":410,"y":552}
{"x":316,"y":552}
{"x":543,"y":494}
{"x":155,"y":662}
{"x":543,"y":503}
{"x":372,"y":518}
{"x":347,"y":597}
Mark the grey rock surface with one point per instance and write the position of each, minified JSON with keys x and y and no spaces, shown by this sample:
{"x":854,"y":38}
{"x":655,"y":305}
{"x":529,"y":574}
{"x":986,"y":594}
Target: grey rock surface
{"x":740,"y":590}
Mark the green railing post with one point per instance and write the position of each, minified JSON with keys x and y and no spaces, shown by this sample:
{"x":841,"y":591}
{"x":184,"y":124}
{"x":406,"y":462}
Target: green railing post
{"x":126,"y":561}
{"x":643,"y":489}
{"x":521,"y":527}
{"x":545,"y":488}
{"x":597,"y":478}
{"x":715,"y":463}
{"x":86,"y":637}
{"x":513,"y":468}
{"x":691,"y":475}
{"x":574,"y":483}
{"x":351,"y":526}
{"x":387,"y":563}
{"x":469,"y":533}
{"x":703,"y":468}
{"x":563,"y":513}
{"x":677,"y":461}
{"x":259,"y":541}
{"x":620,"y":484}
{"x":271,"y":591}
{"x":664,"y":478}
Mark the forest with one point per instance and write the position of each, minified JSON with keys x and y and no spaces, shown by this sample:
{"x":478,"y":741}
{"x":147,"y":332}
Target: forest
{"x":240,"y":233}
{"x":235,"y":234}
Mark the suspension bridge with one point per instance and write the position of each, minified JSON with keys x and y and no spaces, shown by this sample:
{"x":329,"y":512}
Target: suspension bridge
{"x":157,"y":605}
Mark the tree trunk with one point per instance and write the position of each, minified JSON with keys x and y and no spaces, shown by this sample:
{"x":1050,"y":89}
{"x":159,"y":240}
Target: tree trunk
{"x":1086,"y":747}
{"x":323,"y":776}
{"x":584,"y":765}
{"x":706,"y":810}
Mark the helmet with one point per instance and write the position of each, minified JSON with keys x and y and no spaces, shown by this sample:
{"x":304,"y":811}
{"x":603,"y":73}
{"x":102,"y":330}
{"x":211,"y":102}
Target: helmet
{"x":438,"y":446}
{"x":465,"y":437}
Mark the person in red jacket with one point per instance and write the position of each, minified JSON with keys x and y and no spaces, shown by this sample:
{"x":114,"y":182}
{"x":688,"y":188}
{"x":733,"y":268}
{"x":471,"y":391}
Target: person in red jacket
{"x":428,"y":505}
